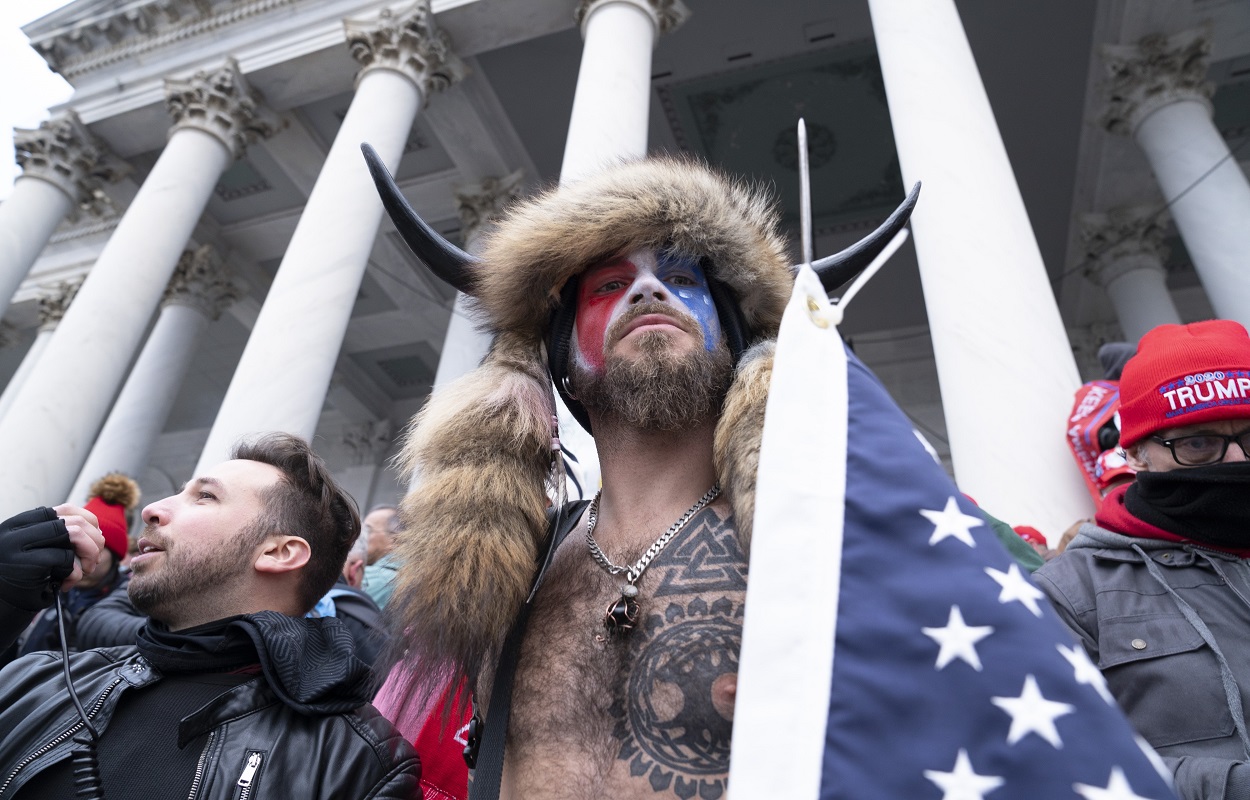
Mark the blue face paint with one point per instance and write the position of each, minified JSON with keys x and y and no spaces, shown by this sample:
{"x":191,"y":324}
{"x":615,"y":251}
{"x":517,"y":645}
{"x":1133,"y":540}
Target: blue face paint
{"x":686,"y":280}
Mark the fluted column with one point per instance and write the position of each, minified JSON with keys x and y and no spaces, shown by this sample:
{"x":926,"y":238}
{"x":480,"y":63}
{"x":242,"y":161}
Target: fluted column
{"x":1158,"y":93}
{"x":1125,"y":246}
{"x":992,"y":314}
{"x":613,"y":97}
{"x":478,"y":205}
{"x":281,"y":380}
{"x":63,"y":169}
{"x":53,"y":303}
{"x":67,"y":394}
{"x":199,"y":291}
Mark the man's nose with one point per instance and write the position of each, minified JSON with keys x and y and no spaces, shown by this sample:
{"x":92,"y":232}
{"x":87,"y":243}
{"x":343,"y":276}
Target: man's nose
{"x":155,"y":513}
{"x":1234,"y":453}
{"x":646,"y":288}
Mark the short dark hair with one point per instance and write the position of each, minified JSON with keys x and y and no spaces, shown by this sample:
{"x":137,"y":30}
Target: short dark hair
{"x":308,"y":503}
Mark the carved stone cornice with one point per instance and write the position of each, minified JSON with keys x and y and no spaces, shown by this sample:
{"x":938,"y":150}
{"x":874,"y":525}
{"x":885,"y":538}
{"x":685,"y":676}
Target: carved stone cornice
{"x":63,"y":152}
{"x":221,"y":103}
{"x":201,"y":281}
{"x":1153,"y":73}
{"x":668,"y":15}
{"x":408,"y":42}
{"x":136,"y":28}
{"x":1123,"y":240}
{"x":54,"y":301}
{"x":479,"y":204}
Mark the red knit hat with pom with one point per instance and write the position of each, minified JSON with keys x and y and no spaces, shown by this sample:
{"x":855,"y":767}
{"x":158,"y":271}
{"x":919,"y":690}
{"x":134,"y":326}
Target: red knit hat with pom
{"x":1184,"y":375}
{"x":111,"y":497}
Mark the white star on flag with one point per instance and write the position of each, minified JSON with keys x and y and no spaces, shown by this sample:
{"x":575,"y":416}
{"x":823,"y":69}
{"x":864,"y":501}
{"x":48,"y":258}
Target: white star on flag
{"x":962,"y":783}
{"x":1086,"y":672}
{"x":958,"y":640}
{"x":1117,"y":788}
{"x":1016,"y":588}
{"x":1032,"y":713}
{"x":950,"y":521}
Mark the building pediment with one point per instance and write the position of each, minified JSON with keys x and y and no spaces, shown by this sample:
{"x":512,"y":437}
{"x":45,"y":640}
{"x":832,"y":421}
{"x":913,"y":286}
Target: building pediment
{"x":89,"y":34}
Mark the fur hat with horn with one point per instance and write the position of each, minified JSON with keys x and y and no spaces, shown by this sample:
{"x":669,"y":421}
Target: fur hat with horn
{"x":483,"y":445}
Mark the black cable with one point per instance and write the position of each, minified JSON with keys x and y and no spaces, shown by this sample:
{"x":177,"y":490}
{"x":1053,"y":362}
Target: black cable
{"x":85,"y":760}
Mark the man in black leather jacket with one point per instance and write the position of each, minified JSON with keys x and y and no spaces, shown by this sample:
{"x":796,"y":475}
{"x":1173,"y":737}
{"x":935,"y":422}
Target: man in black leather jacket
{"x":231,"y":692}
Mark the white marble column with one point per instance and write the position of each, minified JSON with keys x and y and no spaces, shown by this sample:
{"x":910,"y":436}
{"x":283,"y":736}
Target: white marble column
{"x":199,"y":291}
{"x":63,"y":169}
{"x":67,"y":394}
{"x":613,"y":97}
{"x":52,"y":305}
{"x":282,"y":379}
{"x":477,"y":204}
{"x":1004,"y":363}
{"x":1158,"y":93}
{"x":1125,"y":247}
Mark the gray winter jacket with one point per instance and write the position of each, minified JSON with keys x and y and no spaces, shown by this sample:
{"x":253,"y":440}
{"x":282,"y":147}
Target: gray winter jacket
{"x":1169,"y":626}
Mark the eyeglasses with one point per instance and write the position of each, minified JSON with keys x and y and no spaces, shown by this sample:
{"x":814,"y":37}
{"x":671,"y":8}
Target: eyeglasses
{"x":1204,"y":448}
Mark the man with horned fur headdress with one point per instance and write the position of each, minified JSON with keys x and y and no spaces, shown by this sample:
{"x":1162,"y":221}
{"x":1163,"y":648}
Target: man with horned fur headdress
{"x":649,"y":295}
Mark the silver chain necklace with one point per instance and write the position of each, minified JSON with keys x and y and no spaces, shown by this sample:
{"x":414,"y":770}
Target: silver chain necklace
{"x":623,"y":614}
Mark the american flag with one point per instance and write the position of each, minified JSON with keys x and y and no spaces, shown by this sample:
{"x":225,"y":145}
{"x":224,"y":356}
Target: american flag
{"x":891,"y":647}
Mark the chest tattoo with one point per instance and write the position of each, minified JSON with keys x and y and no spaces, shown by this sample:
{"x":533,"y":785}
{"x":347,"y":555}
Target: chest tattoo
{"x":648,"y":713}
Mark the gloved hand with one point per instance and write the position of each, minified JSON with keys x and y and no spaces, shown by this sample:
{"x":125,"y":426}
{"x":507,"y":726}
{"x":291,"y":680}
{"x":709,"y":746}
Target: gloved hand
{"x":36,"y":555}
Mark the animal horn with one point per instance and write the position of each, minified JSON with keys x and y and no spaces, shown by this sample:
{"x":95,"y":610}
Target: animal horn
{"x":443,"y":258}
{"x":837,"y":269}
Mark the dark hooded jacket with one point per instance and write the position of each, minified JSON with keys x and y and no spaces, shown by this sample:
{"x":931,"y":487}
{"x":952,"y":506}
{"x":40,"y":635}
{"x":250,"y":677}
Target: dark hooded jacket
{"x":304,"y":723}
{"x":1169,"y":626}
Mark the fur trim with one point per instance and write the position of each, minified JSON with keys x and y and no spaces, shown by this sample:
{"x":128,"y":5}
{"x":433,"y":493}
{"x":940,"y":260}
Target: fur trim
{"x":659,"y":203}
{"x":736,"y":450}
{"x":471,"y":530}
{"x":116,"y":489}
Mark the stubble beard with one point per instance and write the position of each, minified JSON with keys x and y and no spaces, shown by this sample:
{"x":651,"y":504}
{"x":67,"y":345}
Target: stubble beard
{"x":660,"y":390}
{"x":185,"y":589}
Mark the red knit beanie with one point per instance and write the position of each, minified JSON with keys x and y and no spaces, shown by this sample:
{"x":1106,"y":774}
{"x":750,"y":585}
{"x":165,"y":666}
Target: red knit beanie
{"x":111,"y":497}
{"x":1184,"y":375}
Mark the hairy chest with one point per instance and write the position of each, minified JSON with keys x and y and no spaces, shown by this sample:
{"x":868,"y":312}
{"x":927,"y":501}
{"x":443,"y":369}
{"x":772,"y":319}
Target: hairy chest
{"x":646,"y":713}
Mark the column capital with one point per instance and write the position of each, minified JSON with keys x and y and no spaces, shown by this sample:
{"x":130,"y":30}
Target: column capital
{"x":63,"y":152}
{"x":408,"y":42}
{"x":479,"y":204}
{"x":1123,"y":239}
{"x":668,"y":15}
{"x":201,"y":281}
{"x":1155,"y":72}
{"x":368,"y":441}
{"x":54,"y":301}
{"x":220,"y":103}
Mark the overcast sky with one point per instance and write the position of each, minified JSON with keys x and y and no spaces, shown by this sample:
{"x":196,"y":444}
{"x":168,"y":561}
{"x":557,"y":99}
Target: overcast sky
{"x":30,"y":87}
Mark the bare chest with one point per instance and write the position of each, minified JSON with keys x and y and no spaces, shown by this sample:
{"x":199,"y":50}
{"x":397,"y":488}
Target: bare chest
{"x":648,"y":713}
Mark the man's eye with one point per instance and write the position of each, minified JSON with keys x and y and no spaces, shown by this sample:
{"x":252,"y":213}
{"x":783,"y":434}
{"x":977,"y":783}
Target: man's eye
{"x":207,"y":496}
{"x":683,"y":280}
{"x":612,"y":286}
{"x":1198,"y":444}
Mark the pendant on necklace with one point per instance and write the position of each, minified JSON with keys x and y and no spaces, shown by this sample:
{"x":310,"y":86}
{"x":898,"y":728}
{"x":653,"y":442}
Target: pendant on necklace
{"x":623,"y":613}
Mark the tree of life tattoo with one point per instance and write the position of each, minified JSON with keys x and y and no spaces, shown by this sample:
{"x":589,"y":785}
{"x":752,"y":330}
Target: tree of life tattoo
{"x":674,"y":719}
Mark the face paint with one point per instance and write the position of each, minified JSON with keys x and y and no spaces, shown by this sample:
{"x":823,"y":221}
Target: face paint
{"x":609,"y":291}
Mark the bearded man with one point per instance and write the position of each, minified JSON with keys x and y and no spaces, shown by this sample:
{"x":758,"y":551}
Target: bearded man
{"x":601,"y":642}
{"x":1158,"y":590}
{"x":231,"y":692}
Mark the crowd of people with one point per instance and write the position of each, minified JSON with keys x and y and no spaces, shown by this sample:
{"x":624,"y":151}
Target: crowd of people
{"x":259,"y":639}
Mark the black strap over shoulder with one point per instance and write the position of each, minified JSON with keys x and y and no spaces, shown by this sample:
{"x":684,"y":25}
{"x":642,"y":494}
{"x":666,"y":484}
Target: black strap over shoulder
{"x":488,"y":774}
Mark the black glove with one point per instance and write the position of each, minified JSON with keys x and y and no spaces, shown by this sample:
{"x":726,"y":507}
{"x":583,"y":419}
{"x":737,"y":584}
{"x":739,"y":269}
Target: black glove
{"x":35,"y":556}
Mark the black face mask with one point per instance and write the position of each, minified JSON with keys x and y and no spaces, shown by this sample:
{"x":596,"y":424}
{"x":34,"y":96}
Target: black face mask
{"x":1208,"y":504}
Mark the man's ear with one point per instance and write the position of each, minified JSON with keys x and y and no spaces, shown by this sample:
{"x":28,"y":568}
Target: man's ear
{"x":283,"y":554}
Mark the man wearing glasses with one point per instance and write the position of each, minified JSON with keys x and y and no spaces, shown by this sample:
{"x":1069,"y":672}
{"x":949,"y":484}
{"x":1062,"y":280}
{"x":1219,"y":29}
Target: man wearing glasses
{"x":1158,"y":591}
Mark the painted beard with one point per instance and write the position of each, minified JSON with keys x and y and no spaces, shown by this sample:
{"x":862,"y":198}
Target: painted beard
{"x":660,"y":390}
